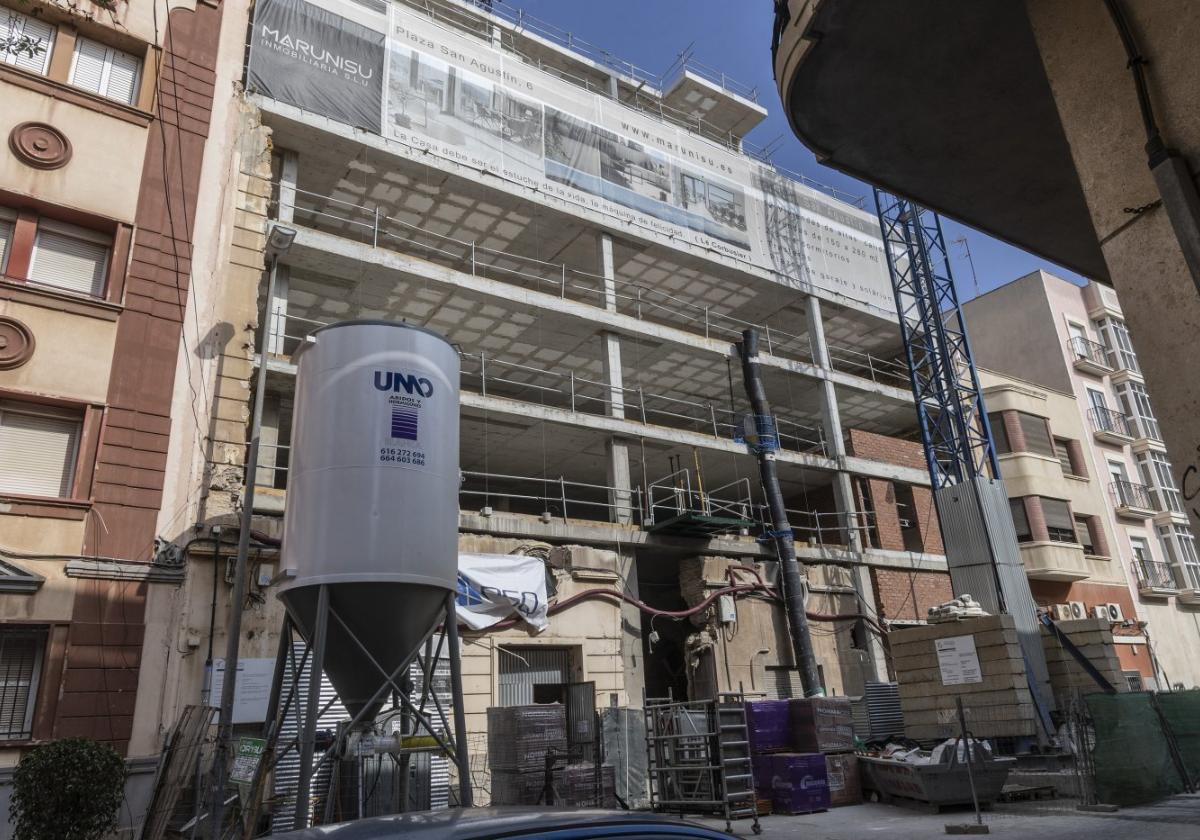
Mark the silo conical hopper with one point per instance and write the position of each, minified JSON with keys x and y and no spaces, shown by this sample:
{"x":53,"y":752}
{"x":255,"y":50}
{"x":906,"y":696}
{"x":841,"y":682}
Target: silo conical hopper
{"x":372,"y":497}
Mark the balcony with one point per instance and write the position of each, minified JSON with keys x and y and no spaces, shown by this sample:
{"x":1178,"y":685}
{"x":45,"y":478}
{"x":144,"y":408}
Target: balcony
{"x":1146,"y":432}
{"x":1088,"y":356}
{"x":1054,"y":561}
{"x":1189,"y":593}
{"x":1155,"y":580}
{"x":1131,"y":499}
{"x":1110,"y":426}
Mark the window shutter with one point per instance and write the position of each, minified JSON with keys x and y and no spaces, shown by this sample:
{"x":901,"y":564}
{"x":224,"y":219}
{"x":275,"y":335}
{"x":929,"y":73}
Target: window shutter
{"x":104,"y":70}
{"x":122,"y":76}
{"x":15,"y":26}
{"x":19,"y":658}
{"x":6,"y":232}
{"x":88,"y":71}
{"x":67,"y":261}
{"x":37,"y":453}
{"x":1037,"y":434}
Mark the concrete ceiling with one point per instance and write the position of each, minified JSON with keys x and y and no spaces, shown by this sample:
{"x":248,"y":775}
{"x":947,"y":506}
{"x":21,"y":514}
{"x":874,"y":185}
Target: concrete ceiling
{"x":946,"y":103}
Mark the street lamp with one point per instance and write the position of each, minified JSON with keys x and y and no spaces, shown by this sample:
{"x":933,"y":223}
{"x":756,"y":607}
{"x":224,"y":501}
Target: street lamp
{"x":279,"y":240}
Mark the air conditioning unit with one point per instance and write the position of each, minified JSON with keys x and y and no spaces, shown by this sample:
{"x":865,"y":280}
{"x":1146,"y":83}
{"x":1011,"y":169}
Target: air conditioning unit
{"x":1078,"y":609}
{"x":1100,"y":611}
{"x":1114,"y":612}
{"x":1060,"y":612}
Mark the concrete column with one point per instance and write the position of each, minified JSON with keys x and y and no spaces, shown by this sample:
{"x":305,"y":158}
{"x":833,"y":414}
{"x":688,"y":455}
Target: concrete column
{"x":619,"y":475}
{"x":613,"y":87}
{"x":277,"y":306}
{"x":843,"y":490}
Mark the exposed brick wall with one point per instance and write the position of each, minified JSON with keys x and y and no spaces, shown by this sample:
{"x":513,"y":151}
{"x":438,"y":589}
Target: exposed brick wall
{"x":907,"y":596}
{"x":890,"y":450}
{"x":1047,"y":592}
{"x":879,"y":496}
{"x":927,"y":520}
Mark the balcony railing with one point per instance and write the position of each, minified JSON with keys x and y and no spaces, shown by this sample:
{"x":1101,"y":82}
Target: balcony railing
{"x":1130,"y":495}
{"x":1087,"y":352}
{"x":366,"y":224}
{"x":1154,"y":576}
{"x":1107,"y":421}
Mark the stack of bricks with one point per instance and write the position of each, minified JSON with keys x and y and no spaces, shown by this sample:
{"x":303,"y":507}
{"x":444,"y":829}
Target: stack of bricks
{"x":519,"y":737}
{"x":1094,"y":638}
{"x":826,"y":725}
{"x":998,"y":706}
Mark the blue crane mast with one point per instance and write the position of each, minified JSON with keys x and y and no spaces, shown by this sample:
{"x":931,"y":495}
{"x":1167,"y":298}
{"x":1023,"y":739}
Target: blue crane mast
{"x":977,"y":528}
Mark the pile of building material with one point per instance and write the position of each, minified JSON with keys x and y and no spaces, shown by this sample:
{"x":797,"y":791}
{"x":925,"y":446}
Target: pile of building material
{"x":527,"y":753}
{"x":964,"y":606}
{"x":977,"y":659}
{"x":802,"y":753}
{"x":1094,"y":638}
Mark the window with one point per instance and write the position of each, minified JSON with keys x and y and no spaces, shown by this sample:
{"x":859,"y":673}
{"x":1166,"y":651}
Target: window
{"x":1118,"y":343}
{"x":25,"y":41}
{"x":20,"y":667}
{"x":69,"y":257}
{"x":109,"y":72}
{"x":1155,"y":470}
{"x":1060,"y":525}
{"x":1066,"y":459}
{"x":38,"y":446}
{"x":1141,"y":551}
{"x":999,"y":433}
{"x":1020,"y":520}
{"x":1135,"y":401}
{"x":1083,"y":534}
{"x":1037,"y":434}
{"x":1180,"y":548}
{"x":1133,"y":680}
{"x":8,"y":220}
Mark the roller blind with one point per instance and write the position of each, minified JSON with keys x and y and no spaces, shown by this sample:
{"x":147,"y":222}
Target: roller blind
{"x":1037,"y":434}
{"x":104,"y":70}
{"x":69,"y":258}
{"x":20,"y":661}
{"x":1059,"y":522}
{"x":17,"y":29}
{"x":6,"y":231}
{"x":37,"y":452}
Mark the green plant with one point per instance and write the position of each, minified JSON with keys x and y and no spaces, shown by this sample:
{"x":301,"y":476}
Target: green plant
{"x":70,"y":789}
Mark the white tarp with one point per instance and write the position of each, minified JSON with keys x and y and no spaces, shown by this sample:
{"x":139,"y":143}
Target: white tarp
{"x":493,"y":587}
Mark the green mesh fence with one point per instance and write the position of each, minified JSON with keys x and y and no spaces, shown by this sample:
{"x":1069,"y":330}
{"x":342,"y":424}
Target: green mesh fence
{"x":1182,"y":711}
{"x":1132,"y":759}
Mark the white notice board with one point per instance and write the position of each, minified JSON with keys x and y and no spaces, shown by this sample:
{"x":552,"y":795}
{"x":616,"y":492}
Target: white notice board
{"x":252,"y":691}
{"x":958,"y":660}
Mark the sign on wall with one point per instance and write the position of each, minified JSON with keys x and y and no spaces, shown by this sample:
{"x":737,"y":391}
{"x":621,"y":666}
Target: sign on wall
{"x":251,"y":692}
{"x":453,"y":96}
{"x":958,"y":660}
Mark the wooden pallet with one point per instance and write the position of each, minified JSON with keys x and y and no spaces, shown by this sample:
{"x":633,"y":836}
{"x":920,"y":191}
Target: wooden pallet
{"x":1024,"y":793}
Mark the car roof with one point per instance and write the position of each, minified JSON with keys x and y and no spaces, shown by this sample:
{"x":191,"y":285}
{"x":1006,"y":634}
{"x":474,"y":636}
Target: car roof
{"x":468,"y":823}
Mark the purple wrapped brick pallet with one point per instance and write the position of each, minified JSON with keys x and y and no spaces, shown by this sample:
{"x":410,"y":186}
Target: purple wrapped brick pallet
{"x":763,"y":767}
{"x":768,"y":725}
{"x":799,"y":784}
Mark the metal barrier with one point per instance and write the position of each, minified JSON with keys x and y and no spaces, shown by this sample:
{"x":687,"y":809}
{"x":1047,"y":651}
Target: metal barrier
{"x":1152,"y":574}
{"x":1107,"y":420}
{"x":1092,"y":351}
{"x":1130,"y":494}
{"x":344,"y":218}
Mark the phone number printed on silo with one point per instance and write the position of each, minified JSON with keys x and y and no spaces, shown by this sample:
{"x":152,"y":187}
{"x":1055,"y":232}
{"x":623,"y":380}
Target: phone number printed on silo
{"x":396,"y":455}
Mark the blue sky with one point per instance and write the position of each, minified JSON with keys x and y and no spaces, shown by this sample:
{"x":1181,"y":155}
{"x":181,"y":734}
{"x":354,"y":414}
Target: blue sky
{"x":734,"y":36}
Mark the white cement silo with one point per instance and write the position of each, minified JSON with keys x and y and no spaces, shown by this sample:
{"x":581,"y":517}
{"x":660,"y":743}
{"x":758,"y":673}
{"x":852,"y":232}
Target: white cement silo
{"x":372,"y":496}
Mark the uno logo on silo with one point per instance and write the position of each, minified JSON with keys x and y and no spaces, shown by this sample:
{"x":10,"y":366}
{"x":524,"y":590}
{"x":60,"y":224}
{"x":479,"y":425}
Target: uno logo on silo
{"x":395,"y":381}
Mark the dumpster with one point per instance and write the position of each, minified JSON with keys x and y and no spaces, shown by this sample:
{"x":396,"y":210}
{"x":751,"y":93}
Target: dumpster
{"x":936,"y":779}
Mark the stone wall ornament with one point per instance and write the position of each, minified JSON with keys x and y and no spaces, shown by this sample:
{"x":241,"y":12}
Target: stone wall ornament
{"x":40,"y":145}
{"x":16,"y":343}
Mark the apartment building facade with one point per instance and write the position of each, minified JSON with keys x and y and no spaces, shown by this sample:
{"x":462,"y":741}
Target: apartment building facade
{"x":105,"y":116}
{"x":594,"y":239}
{"x":1108,"y":519}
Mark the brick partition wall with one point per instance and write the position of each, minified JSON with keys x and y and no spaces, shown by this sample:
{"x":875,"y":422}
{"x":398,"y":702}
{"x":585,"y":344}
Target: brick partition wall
{"x":880,"y":496}
{"x":908,"y":595}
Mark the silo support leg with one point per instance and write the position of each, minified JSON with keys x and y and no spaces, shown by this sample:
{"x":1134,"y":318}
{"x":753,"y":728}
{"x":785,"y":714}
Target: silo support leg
{"x":312,"y":710}
{"x":462,"y":760}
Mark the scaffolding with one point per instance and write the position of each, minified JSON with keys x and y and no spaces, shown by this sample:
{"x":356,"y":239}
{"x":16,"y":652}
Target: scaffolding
{"x":699,"y":758}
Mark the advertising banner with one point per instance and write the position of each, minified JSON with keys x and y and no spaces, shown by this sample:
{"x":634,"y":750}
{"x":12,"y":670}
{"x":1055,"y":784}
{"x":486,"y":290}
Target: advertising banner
{"x":455,"y":96}
{"x":493,"y":587}
{"x":317,"y":60}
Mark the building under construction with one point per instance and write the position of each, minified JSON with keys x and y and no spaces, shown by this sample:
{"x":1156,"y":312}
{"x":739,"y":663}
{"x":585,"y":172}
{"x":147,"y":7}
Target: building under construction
{"x":593,"y":238}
